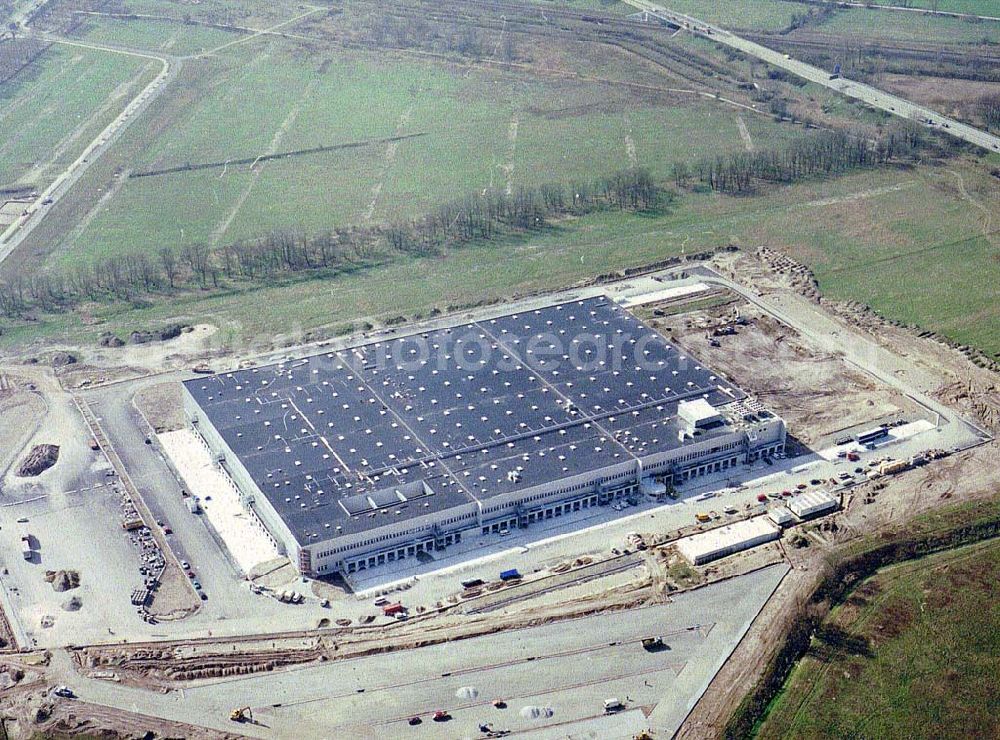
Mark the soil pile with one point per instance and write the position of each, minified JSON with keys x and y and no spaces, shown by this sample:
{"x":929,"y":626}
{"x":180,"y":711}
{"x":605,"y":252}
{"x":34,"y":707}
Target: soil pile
{"x":63,"y":580}
{"x":40,"y":459}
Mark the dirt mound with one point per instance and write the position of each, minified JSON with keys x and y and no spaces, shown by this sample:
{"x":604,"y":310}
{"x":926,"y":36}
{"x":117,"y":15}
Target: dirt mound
{"x":61,"y":359}
{"x":107,"y":339}
{"x":63,"y":580}
{"x":72,"y":604}
{"x":163,"y":334}
{"x":40,"y":459}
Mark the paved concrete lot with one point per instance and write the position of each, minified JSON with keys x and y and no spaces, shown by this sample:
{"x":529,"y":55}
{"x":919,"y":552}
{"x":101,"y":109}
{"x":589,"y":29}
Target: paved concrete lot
{"x":76,"y":530}
{"x":566,"y":667}
{"x":73,"y":520}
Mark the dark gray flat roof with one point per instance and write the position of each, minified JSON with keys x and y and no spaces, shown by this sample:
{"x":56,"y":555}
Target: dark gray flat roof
{"x":351,"y":440}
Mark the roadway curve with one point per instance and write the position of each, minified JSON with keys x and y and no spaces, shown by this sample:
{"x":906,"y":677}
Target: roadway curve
{"x":860,"y":91}
{"x":17,"y":231}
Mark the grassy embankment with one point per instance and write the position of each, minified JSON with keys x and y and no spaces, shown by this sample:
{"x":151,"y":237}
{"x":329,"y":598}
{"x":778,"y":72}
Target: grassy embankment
{"x":911,"y":653}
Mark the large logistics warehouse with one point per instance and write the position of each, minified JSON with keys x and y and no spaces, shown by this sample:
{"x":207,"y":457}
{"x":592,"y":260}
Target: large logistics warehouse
{"x":362,"y":456}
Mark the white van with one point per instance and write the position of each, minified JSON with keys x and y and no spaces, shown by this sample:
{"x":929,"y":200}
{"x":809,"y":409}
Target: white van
{"x":613,"y":705}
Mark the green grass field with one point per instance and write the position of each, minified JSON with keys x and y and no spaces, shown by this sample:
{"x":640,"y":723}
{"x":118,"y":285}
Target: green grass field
{"x":909,"y":243}
{"x":912,"y":653}
{"x":251,"y":13}
{"x":174,"y":37}
{"x":896,"y":26}
{"x":888,"y":238}
{"x":758,"y":15}
{"x":55,"y":107}
{"x":916,"y":252}
{"x":972,"y":7}
{"x":480,"y":128}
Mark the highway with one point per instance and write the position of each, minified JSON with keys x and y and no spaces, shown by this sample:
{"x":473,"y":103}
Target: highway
{"x":850,"y":88}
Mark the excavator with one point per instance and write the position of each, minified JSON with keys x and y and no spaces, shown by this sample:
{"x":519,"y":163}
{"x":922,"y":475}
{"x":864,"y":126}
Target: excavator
{"x":241,"y":714}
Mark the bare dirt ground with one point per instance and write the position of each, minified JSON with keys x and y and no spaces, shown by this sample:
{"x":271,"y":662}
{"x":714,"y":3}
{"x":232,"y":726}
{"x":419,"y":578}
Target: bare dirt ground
{"x":161,"y":405}
{"x":816,"y":393}
{"x":51,"y":419}
{"x":172,"y":599}
{"x":98,"y":365}
{"x":31,"y":711}
{"x":21,"y":411}
{"x":951,"y":374}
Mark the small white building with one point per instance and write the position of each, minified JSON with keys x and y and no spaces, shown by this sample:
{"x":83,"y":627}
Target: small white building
{"x":732,"y":538}
{"x":812,"y":503}
{"x":781,"y":516}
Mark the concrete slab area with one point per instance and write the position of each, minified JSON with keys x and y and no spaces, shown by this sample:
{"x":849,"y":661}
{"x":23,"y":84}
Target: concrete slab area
{"x":567,"y":667}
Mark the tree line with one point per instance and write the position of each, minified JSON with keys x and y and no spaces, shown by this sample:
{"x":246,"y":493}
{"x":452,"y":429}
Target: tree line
{"x":819,"y":154}
{"x":483,"y":216}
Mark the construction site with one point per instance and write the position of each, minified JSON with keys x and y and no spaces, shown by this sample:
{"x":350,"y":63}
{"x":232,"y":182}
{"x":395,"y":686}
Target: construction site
{"x":599,"y":473}
{"x":145,"y":575}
